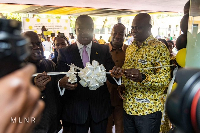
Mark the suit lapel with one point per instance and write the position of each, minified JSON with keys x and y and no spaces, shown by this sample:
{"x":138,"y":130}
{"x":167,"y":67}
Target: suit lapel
{"x":76,"y":59}
{"x":94,"y":53}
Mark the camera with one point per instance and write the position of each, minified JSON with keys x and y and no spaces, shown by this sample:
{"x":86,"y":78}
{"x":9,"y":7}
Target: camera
{"x":13,"y":47}
{"x":183,"y":104}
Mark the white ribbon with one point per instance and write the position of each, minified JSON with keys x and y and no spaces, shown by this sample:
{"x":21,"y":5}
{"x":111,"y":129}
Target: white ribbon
{"x":93,"y":75}
{"x":71,"y":74}
{"x":171,"y":82}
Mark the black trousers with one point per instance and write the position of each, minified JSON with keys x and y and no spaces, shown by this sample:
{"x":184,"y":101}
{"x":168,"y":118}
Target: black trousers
{"x":99,"y":127}
{"x":142,"y":124}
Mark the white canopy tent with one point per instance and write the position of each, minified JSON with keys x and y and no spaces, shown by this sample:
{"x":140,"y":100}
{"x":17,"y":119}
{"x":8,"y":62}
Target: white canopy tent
{"x":151,"y":5}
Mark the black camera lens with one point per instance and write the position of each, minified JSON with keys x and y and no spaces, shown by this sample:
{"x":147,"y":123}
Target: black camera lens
{"x":13,"y":47}
{"x":181,"y":105}
{"x":10,"y":26}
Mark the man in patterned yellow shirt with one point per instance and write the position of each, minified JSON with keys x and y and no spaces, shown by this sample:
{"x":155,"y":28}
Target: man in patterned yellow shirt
{"x":146,"y":73}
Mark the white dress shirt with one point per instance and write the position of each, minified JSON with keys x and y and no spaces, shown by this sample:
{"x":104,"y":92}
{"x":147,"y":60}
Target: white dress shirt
{"x":88,"y":48}
{"x":80,"y":48}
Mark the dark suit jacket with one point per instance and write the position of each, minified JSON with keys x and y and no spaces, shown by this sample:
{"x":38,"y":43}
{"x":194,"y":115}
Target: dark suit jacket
{"x":50,"y":119}
{"x":78,"y":102}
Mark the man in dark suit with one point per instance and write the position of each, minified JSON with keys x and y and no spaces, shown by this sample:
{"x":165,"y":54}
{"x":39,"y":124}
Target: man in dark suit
{"x":85,"y":108}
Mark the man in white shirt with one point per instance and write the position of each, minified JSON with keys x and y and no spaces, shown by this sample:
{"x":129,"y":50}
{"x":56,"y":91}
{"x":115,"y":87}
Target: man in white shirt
{"x":85,"y":108}
{"x":47,"y":45}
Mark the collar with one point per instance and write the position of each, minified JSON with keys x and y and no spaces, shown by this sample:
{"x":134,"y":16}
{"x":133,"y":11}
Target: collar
{"x":145,"y":42}
{"x":111,"y":47}
{"x":80,"y":46}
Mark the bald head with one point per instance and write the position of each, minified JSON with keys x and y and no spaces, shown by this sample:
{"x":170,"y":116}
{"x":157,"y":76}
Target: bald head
{"x":141,"y":27}
{"x":143,"y":17}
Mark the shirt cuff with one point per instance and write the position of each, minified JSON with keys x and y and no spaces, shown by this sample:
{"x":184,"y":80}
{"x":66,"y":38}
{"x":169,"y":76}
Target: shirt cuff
{"x":61,"y":91}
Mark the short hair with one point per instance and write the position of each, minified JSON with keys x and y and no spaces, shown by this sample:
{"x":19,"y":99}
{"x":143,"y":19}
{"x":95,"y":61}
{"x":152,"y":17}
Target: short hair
{"x":118,"y":24}
{"x":83,"y":17}
{"x":165,"y":42}
{"x":57,"y":38}
{"x":181,"y":41}
{"x":184,"y":23}
{"x":32,"y":36}
{"x":170,"y":41}
{"x":187,"y":7}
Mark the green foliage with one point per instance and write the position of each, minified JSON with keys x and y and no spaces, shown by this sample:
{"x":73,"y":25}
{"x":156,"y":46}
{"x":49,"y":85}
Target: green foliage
{"x":72,"y":21}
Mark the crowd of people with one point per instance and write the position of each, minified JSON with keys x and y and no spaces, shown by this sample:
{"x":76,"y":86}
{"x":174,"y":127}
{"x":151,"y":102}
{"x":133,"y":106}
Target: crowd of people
{"x":134,"y":104}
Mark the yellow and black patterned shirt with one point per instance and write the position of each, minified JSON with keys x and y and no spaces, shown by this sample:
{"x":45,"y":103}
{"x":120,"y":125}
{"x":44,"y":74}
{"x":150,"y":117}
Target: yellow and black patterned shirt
{"x":142,"y":98}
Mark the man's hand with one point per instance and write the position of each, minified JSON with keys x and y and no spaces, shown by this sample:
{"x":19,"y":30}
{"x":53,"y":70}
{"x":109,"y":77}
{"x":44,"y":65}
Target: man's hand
{"x":65,"y":84}
{"x":116,"y":72}
{"x":121,"y":90}
{"x":133,"y":74}
{"x":41,"y":80}
{"x":19,"y":99}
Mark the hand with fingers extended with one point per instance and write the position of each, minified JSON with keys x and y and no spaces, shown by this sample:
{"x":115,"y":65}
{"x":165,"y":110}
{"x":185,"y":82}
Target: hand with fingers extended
{"x":41,"y":80}
{"x":65,"y":84}
{"x":19,"y":99}
{"x":116,"y":72}
{"x":133,"y":74}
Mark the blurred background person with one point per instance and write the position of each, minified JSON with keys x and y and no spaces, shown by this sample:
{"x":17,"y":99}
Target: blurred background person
{"x":47,"y":45}
{"x":50,"y":120}
{"x":172,"y":48}
{"x":117,"y":50}
{"x":101,"y":41}
{"x":94,"y":39}
{"x":59,"y":43}
{"x":43,"y":29}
